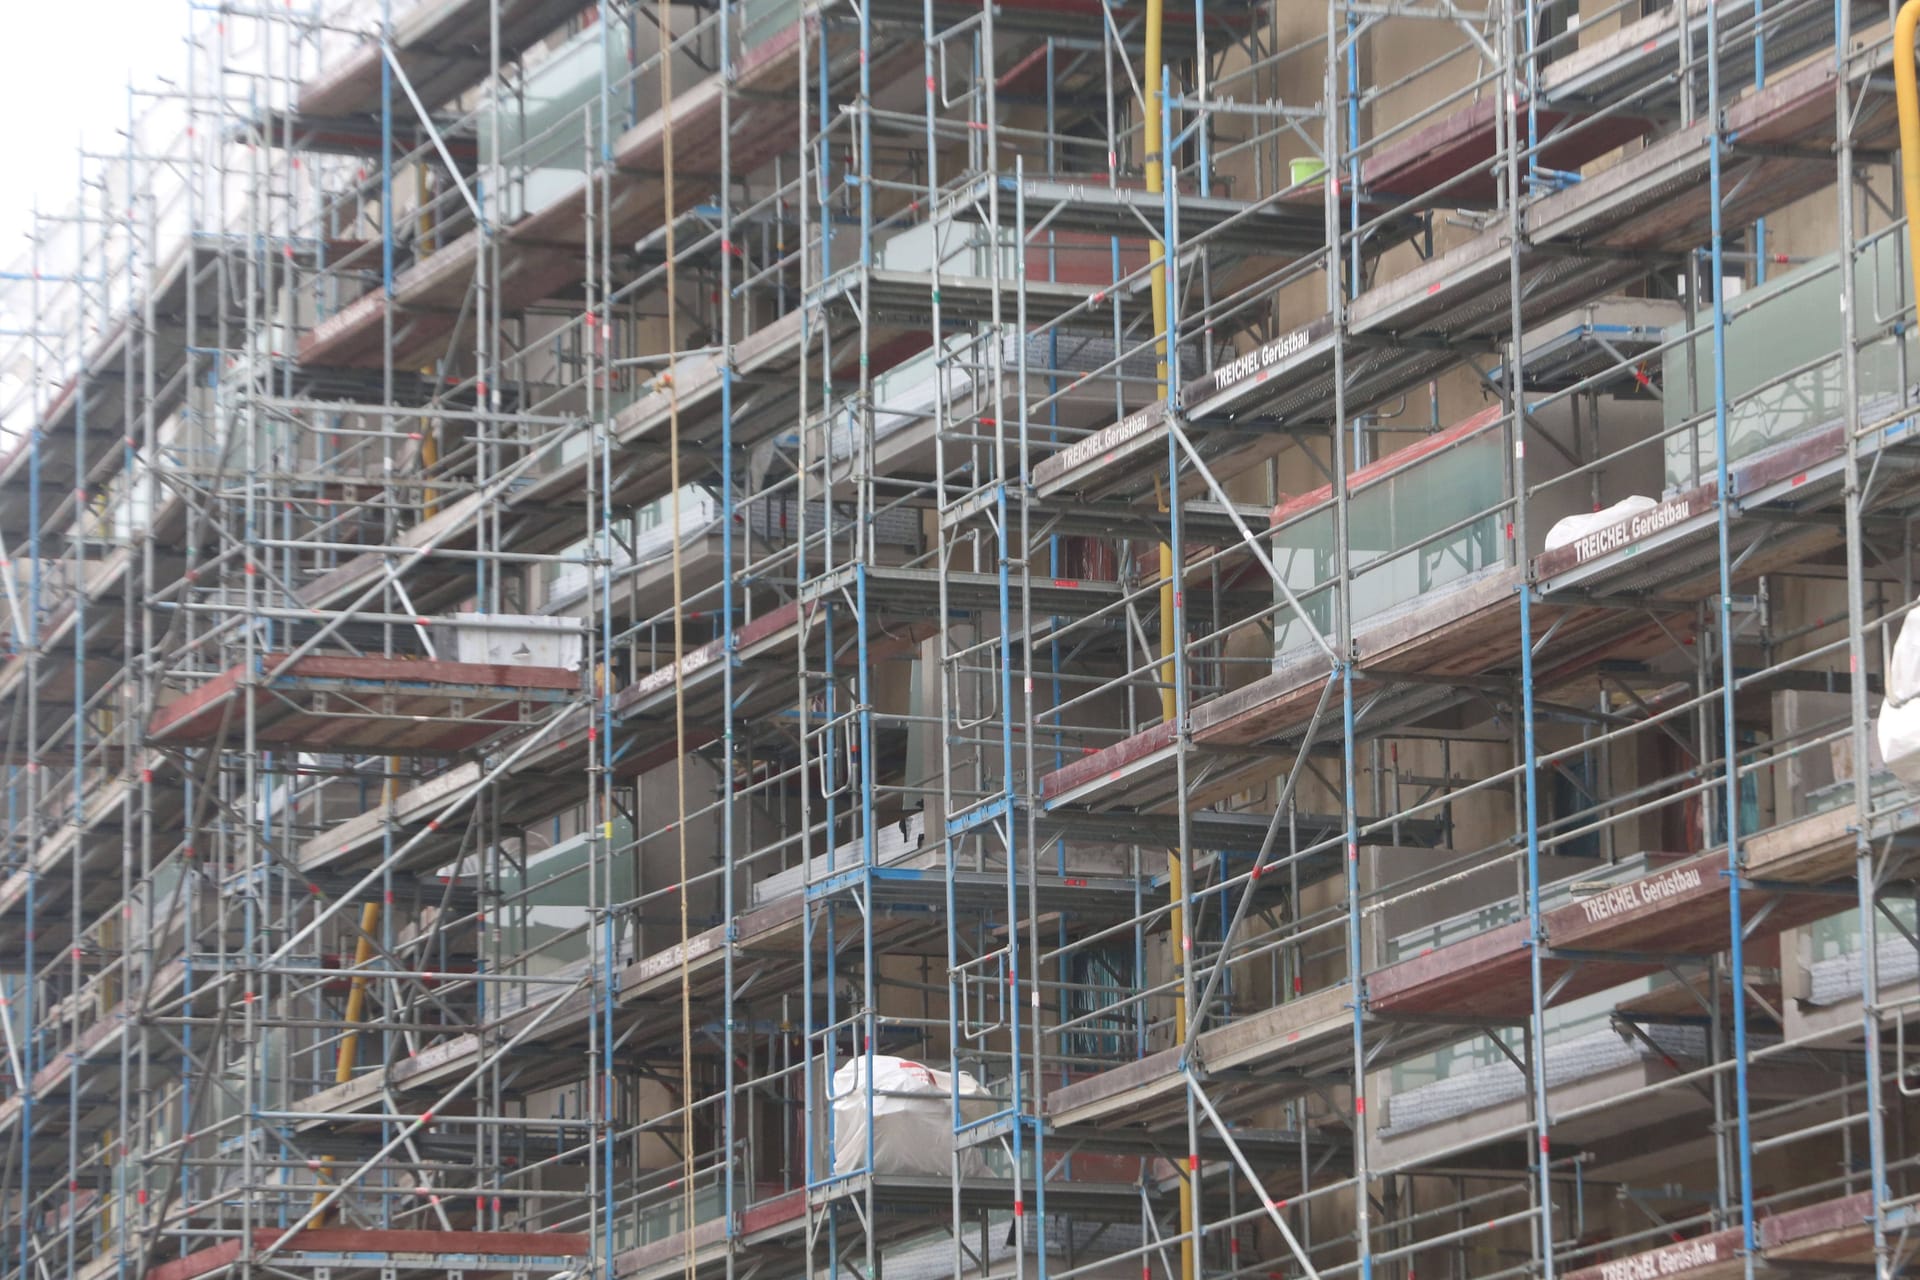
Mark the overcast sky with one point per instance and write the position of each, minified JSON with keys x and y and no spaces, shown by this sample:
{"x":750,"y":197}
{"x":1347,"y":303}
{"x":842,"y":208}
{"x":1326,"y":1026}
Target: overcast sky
{"x":63,"y":76}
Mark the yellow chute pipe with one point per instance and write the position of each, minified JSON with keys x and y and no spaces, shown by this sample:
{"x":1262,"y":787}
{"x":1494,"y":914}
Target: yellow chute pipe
{"x":423,"y":201}
{"x":320,"y":1193}
{"x":429,"y":442}
{"x":429,"y":456}
{"x":1169,"y":703}
{"x":1907,"y":97}
{"x":1156,"y":184}
{"x":349,"y":1051}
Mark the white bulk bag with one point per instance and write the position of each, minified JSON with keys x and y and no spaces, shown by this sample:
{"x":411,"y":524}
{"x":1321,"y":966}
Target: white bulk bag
{"x":1574,"y":528}
{"x":1899,"y":727}
{"x":912,"y":1118}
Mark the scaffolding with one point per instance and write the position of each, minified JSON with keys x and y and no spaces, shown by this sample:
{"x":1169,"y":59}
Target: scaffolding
{"x":1280,"y":607}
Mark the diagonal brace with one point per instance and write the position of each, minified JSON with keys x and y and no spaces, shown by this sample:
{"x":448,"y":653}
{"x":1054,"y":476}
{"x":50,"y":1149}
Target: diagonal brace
{"x":1246,"y":1168}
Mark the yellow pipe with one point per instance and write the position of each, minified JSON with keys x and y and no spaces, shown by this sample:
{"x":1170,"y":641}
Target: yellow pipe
{"x":348,"y":1053}
{"x":422,"y":200}
{"x":1156,"y":184}
{"x":108,"y":1202}
{"x":429,"y":457}
{"x":429,"y":441}
{"x":1907,"y":97}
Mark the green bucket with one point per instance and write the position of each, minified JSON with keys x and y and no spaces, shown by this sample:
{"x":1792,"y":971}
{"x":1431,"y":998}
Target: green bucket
{"x":1306,"y":169}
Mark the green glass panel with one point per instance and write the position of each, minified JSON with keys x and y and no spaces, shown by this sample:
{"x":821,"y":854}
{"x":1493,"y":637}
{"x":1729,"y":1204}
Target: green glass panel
{"x":549,"y":924}
{"x":542,"y":129}
{"x":1768,"y":338}
{"x":1403,"y":534}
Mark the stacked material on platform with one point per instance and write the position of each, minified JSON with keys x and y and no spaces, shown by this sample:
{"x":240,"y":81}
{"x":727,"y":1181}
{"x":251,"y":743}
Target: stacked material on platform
{"x":1574,"y":527}
{"x":1899,"y":726}
{"x":912,"y":1118}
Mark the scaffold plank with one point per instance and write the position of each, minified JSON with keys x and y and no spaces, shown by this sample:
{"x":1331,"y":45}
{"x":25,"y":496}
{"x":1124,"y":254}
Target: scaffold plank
{"x":375,"y":704}
{"x":523,"y":1245}
{"x":1606,"y":937}
{"x":1455,"y":156}
{"x":1833,"y":1231}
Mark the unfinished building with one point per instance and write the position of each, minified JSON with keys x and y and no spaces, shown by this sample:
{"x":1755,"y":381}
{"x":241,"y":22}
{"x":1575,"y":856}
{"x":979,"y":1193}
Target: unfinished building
{"x":1058,"y":638}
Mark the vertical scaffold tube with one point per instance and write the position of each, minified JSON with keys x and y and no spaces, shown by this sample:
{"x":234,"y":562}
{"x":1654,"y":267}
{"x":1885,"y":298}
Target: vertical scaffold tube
{"x":1736,"y":925}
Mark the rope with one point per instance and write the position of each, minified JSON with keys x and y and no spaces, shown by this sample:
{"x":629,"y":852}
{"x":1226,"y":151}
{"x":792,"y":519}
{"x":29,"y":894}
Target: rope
{"x":679,"y":676}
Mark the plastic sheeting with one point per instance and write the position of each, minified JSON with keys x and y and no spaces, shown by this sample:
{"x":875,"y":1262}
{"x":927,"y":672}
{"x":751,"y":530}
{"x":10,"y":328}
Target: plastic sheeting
{"x":1573,"y":528}
{"x":1899,"y":727}
{"x":912,"y":1118}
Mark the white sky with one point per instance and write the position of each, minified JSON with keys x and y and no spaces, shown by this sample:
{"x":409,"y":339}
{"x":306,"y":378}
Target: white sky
{"x":63,"y":77}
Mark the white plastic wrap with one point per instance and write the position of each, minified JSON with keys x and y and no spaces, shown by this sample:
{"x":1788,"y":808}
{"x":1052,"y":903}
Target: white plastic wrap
{"x":1573,"y":528}
{"x":912,"y":1118}
{"x":1899,"y":726}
